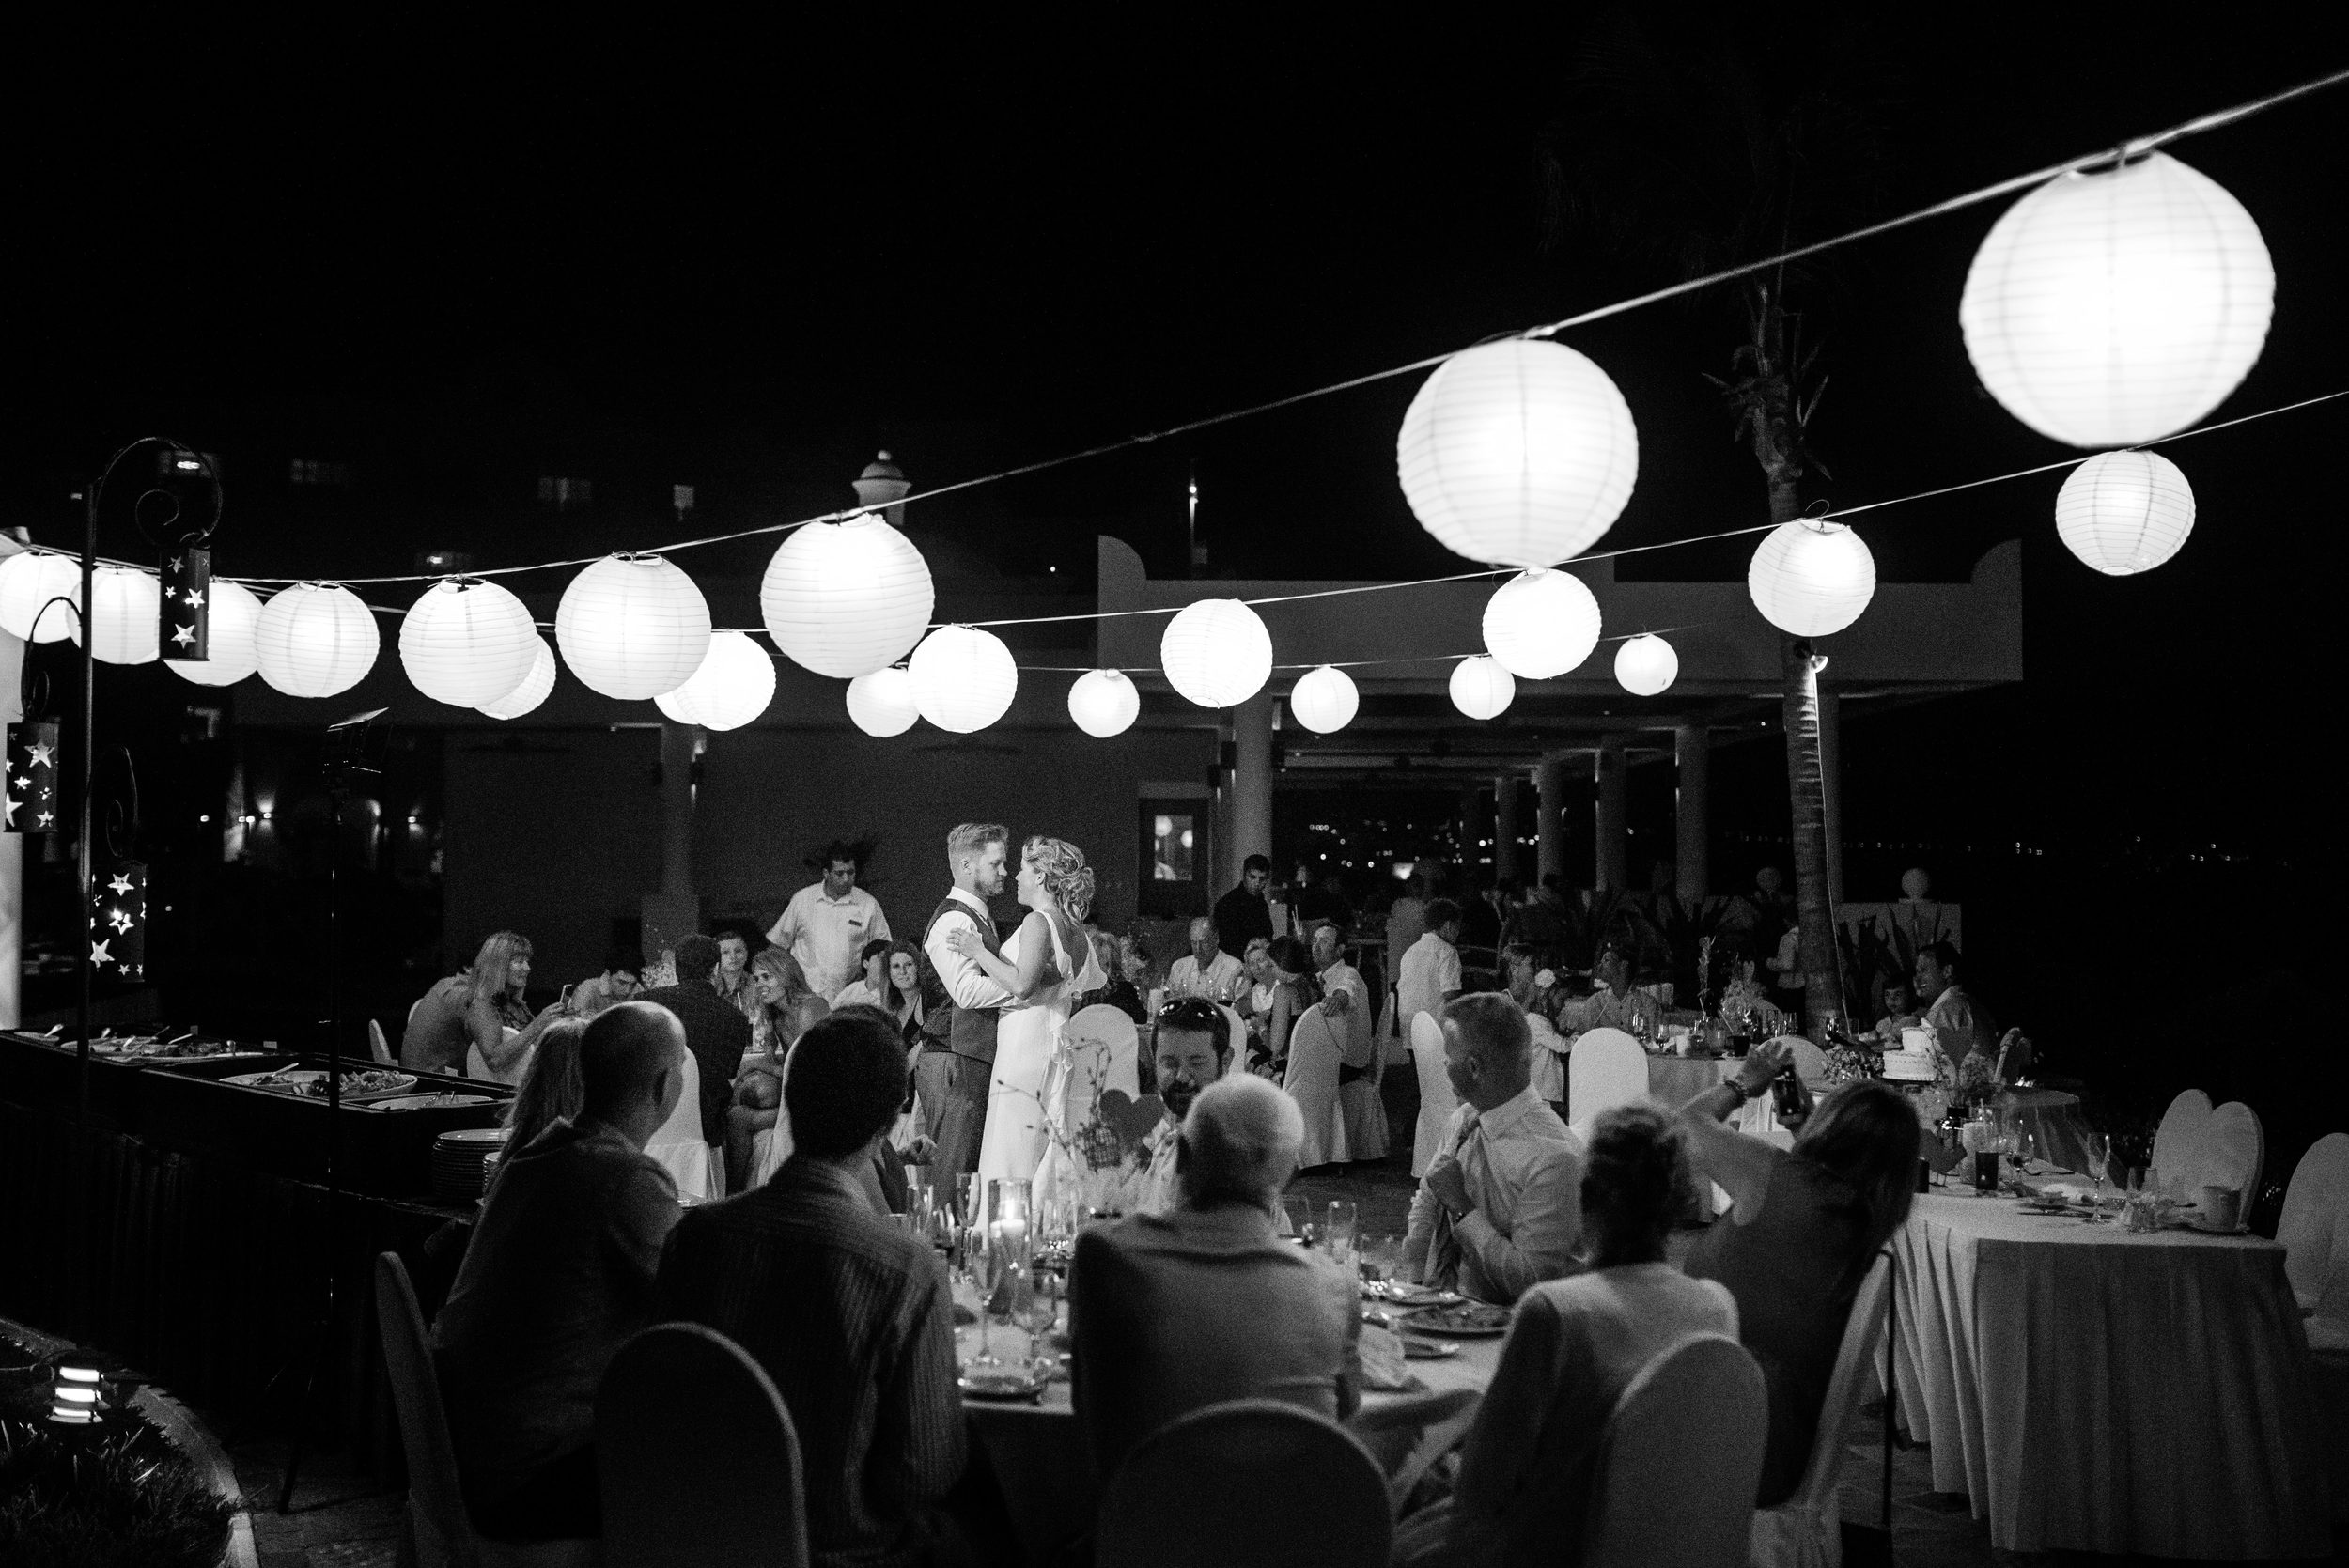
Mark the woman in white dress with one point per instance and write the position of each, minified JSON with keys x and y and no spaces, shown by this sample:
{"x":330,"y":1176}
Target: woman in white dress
{"x":1040,"y":966}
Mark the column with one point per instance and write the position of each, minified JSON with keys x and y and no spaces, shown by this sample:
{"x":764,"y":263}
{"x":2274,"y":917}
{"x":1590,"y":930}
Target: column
{"x":675,"y":911}
{"x":1692,"y":751}
{"x":1614,"y":858}
{"x":1252,"y":783}
{"x":1552,"y":783}
{"x":1831,"y":787}
{"x":1505,"y":826}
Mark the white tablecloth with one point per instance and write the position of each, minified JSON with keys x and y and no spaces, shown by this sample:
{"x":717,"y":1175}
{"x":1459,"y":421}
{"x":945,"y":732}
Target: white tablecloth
{"x":2098,"y":1391}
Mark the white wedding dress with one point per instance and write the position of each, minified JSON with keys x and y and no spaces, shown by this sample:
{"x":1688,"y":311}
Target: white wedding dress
{"x":1017,"y":1131}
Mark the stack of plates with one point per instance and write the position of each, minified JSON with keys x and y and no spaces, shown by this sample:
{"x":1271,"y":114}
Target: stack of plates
{"x":459,"y":1159}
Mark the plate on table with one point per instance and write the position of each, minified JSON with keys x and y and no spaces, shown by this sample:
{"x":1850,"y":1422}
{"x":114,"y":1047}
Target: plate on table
{"x":1001,"y":1383}
{"x":1464,"y":1320}
{"x":1405,"y":1294}
{"x":310,"y":1082}
{"x":445,"y":1101}
{"x":1427,"y":1350}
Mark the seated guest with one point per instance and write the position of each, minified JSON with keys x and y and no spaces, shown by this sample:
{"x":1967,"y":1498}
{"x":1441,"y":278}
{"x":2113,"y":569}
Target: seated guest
{"x":619,"y":982}
{"x":1805,"y":1226}
{"x":1287,"y":965}
{"x":551,"y":1090}
{"x":871,"y":987}
{"x":1521,"y":971}
{"x":1614,"y":1004}
{"x":1530,"y":1463}
{"x":1500,"y":1209}
{"x":786,"y":1009}
{"x":1121,"y":992}
{"x":482,"y":1007}
{"x":1170,"y":1313}
{"x":1206,"y":970}
{"x":1961,"y":1026}
{"x":1899,"y":1012}
{"x":1194,"y":1048}
{"x":731,"y":979}
{"x":1135,"y":963}
{"x":715,"y":1032}
{"x":558,"y":1276}
{"x":847,"y":1315}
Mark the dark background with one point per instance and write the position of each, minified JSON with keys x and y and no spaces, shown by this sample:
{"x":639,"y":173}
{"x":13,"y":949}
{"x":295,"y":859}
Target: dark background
{"x":457,"y":257}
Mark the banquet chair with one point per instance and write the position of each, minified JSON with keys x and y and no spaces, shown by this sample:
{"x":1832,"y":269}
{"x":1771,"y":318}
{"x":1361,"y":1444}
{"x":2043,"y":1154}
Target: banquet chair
{"x":1606,"y":1069}
{"x":1311,"y":1081}
{"x":697,"y":1458}
{"x":379,"y":1047}
{"x":1699,"y":1410}
{"x":677,"y":1146}
{"x":2233,"y":1154}
{"x":2314,"y":1229}
{"x":1237,"y":1066}
{"x":1810,"y":1061}
{"x":441,"y":1528}
{"x":1807,"y":1531}
{"x":1361,"y":1110}
{"x":1289,"y":1486}
{"x":2178,"y":1142}
{"x":1436,"y":1102}
{"x":1113,"y":1029}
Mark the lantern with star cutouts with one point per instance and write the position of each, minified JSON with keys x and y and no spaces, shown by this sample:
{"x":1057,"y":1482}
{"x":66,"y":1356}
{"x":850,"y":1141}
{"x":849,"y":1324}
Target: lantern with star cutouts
{"x":117,"y":923}
{"x":184,"y":623}
{"x":29,"y":792}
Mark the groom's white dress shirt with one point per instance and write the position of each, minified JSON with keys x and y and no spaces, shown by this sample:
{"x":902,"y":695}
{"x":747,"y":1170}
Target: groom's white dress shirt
{"x":969,"y":985}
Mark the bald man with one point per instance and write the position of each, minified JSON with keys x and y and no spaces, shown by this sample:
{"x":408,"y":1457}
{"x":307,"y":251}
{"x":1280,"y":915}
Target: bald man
{"x":1170,"y":1313}
{"x":559,"y":1275}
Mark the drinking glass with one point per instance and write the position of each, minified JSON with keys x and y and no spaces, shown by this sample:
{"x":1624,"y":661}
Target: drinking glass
{"x":1380,"y":1256}
{"x":1036,"y":1309}
{"x":1298,"y":1215}
{"x":984,"y":1273}
{"x":1010,"y":1218}
{"x":967,"y":1197}
{"x":1341,"y":1235}
{"x":2099,"y":1161}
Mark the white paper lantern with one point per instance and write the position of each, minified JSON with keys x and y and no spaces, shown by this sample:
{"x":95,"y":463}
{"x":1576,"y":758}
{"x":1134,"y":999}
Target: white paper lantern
{"x":846,"y":599}
{"x":1518,"y":453}
{"x":1325,"y":700}
{"x":963,"y":678}
{"x":1645,"y":665}
{"x":1216,"y":653}
{"x":1812,"y":577}
{"x":29,"y":581}
{"x":314,"y":639}
{"x":735,"y":684}
{"x":2110,"y":308}
{"x":882,"y":703}
{"x":632,"y":627}
{"x":466,"y":643}
{"x":1541,"y":624}
{"x":124,"y":604}
{"x":1104,"y":703}
{"x":1481,"y":688}
{"x":534,"y":687}
{"x":236,"y":615}
{"x":2125,"y":512}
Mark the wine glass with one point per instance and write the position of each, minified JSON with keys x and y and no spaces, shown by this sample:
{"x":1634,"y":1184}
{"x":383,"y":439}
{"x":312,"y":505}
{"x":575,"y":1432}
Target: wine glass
{"x":2099,"y":1162}
{"x":1036,"y":1308}
{"x":1378,"y":1255}
{"x":985,"y":1268}
{"x":1340,"y":1236}
{"x":1299,"y":1213}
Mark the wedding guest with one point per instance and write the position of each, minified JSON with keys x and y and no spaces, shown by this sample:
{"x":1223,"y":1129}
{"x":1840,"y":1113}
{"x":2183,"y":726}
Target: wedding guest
{"x":849,"y":1315}
{"x":787,"y":1010}
{"x":1254,"y":1000}
{"x":1172,"y":1312}
{"x":1134,"y":961}
{"x":871,"y":987}
{"x":1899,"y":1012}
{"x":552,"y":1089}
{"x":1289,"y":968}
{"x":1338,"y":977}
{"x":619,"y":982}
{"x":1524,"y":978}
{"x":827,"y":923}
{"x":731,"y":979}
{"x":1206,"y":970}
{"x":1961,"y":1027}
{"x":1121,"y":992}
{"x":1406,"y":922}
{"x":1430,"y":974}
{"x":1529,"y":1465}
{"x":1805,"y":1225}
{"x":558,"y":1276}
{"x":1789,"y":981}
{"x":1345,"y":1002}
{"x":1614,"y":1004}
{"x":475,"y":1008}
{"x":716,"y":1033}
{"x":1500,"y":1208}
{"x":1193,"y":1049}
{"x":1243,"y":913}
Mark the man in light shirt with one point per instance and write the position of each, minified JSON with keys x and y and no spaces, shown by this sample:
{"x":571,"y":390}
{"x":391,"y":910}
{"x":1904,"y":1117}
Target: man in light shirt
{"x":1206,"y":970}
{"x":958,"y":1059}
{"x":1193,"y":1049}
{"x":828,"y":923}
{"x":1429,"y":975}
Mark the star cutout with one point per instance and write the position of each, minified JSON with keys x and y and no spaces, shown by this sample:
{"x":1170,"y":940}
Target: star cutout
{"x":97,"y":953}
{"x":121,"y":883}
{"x":23,"y":783}
{"x":120,"y":921}
{"x":185,"y":636}
{"x":178,"y":563}
{"x":10,"y":806}
{"x":196,"y":599}
{"x":42,"y":756}
{"x":47,"y":817}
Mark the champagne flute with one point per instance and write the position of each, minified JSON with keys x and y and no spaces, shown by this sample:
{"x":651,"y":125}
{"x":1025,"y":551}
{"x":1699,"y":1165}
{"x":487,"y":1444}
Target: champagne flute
{"x":1039,"y":1311}
{"x":2099,"y":1162}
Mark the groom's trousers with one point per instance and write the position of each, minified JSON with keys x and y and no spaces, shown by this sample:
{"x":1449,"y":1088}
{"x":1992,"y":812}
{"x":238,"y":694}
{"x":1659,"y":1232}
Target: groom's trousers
{"x":953,"y":1107}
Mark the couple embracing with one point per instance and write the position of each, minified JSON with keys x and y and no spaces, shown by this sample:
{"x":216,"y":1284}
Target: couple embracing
{"x":985,"y":1085}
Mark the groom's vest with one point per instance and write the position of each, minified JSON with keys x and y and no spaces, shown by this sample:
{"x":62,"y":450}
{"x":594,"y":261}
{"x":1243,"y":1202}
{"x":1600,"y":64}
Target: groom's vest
{"x":969,"y":1030}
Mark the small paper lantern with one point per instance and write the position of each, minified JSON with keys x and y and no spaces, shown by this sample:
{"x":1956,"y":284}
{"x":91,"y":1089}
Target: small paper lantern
{"x":1812,"y":577}
{"x":846,"y":599}
{"x":28,"y":785}
{"x":534,"y":687}
{"x":882,"y":703}
{"x":314,"y":639}
{"x":632,"y":627}
{"x":236,"y":615}
{"x":1104,"y":703}
{"x":963,"y":678}
{"x":1541,"y":624}
{"x":735,"y":684}
{"x":125,"y":604}
{"x":117,"y":921}
{"x":2125,"y":512}
{"x":29,"y":581}
{"x":1325,"y":700}
{"x":2109,"y":308}
{"x":1519,"y":453}
{"x":1645,"y":665}
{"x":1216,"y":653}
{"x":184,"y":623}
{"x":465,"y":644}
{"x":1481,"y":688}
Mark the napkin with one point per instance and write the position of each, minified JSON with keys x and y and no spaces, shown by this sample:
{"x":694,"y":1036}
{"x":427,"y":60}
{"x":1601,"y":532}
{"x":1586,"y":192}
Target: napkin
{"x":1382,"y":1360}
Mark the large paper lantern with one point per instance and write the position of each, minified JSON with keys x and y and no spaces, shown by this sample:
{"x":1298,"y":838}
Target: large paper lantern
{"x":1519,"y":453}
{"x":2125,"y":512}
{"x":1541,"y":624}
{"x":735,"y":684}
{"x":465,"y":644}
{"x":125,"y":604}
{"x":632,"y":627}
{"x":236,"y":615}
{"x":1481,"y":688}
{"x":1216,"y":653}
{"x":882,"y":703}
{"x":1104,"y":703}
{"x":533,"y":688}
{"x":1645,"y":665}
{"x":314,"y":639}
{"x":1325,"y":700}
{"x":846,"y":599}
{"x":963,"y":678}
{"x":29,"y":581}
{"x":2112,"y":308}
{"x":1811,"y":577}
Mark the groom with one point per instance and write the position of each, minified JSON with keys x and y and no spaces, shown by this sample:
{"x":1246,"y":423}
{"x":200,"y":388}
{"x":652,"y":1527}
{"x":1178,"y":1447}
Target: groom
{"x":953,"y":1075}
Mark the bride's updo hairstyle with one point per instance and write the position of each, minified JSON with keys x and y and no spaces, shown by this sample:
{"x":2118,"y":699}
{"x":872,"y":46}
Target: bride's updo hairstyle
{"x":1061,"y":867}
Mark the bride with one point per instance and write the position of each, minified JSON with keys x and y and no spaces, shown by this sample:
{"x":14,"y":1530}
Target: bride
{"x":1040,"y":966}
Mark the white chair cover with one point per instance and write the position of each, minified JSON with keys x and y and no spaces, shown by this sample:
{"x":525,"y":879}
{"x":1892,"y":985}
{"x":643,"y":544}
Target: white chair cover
{"x":1810,"y":1061}
{"x":1550,"y":1049}
{"x":478,"y":1066}
{"x":1238,"y":1065}
{"x":2314,"y":1229}
{"x":1807,"y":1531}
{"x":1311,"y":1081}
{"x":677,"y":1146}
{"x":2233,"y":1154}
{"x":1607,"y":1069}
{"x":1697,"y":1410}
{"x":1098,"y":1049}
{"x":378,"y":1047}
{"x":2178,"y":1143}
{"x":1290,"y":1487}
{"x":1437,"y":1101}
{"x":1361,"y":1110}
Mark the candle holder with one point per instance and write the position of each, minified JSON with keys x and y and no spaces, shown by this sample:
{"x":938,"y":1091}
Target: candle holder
{"x":77,"y":1396}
